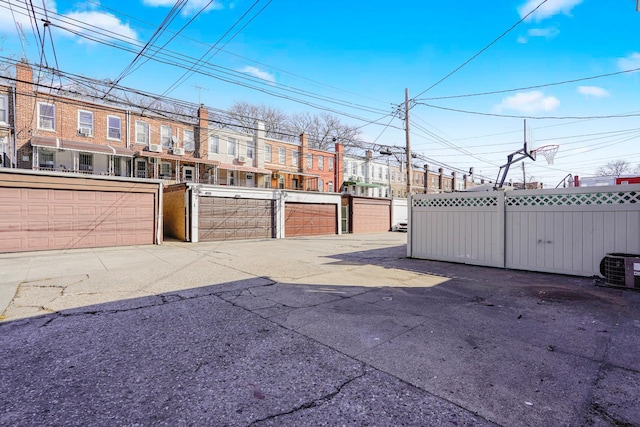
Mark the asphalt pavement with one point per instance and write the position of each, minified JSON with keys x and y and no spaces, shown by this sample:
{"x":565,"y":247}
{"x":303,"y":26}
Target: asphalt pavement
{"x":335,"y":330}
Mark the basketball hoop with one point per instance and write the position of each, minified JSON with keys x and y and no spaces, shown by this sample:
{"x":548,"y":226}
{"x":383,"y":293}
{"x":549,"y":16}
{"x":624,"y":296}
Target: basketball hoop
{"x":548,"y":151}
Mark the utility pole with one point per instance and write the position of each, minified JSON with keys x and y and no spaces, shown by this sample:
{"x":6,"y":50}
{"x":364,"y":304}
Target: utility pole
{"x":408,"y":139}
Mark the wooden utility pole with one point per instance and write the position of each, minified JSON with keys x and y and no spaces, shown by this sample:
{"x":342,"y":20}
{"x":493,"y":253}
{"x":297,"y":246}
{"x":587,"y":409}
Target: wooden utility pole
{"x":408,"y":139}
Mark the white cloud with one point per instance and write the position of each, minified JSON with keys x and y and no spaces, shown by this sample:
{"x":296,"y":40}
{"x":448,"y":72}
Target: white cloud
{"x":547,"y":10}
{"x":256,"y":72}
{"x":630,"y":62}
{"x":105,"y":21}
{"x":594,"y":91}
{"x":529,"y":103}
{"x":191,"y":8}
{"x":547,"y":33}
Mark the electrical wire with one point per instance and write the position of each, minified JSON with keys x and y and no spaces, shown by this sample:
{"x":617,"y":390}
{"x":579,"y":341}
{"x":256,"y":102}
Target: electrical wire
{"x":609,"y":116}
{"x":483,"y":49}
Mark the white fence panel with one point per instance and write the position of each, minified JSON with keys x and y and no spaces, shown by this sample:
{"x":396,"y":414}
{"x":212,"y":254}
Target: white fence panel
{"x":570,"y":230}
{"x":458,"y":227}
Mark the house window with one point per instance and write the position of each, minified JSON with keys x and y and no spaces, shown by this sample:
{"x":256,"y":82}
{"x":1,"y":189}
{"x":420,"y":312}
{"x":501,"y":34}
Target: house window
{"x":141,"y":168}
{"x":165,"y":170}
{"x":86,"y":162}
{"x":46,"y":116}
{"x":310,"y":161}
{"x":330,"y":186}
{"x":188,"y":173}
{"x":85,"y":123}
{"x":114,"y":126}
{"x":380,"y":172}
{"x":250,"y":150}
{"x":189,"y":143}
{"x":320,"y":163}
{"x":4,"y":109}
{"x":232,"y":147}
{"x":46,"y":159}
{"x":295,"y":158}
{"x":331,"y":160}
{"x":165,"y":136}
{"x":142,"y":133}
{"x":282,"y":155}
{"x":214,"y":144}
{"x":320,"y":185}
{"x":267,"y":153}
{"x":346,"y":167}
{"x":354,"y":168}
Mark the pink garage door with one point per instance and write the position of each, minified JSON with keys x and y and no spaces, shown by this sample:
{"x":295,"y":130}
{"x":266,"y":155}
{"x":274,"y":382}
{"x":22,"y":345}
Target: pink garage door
{"x":42,"y":219}
{"x":310,"y":219}
{"x":370,"y":215}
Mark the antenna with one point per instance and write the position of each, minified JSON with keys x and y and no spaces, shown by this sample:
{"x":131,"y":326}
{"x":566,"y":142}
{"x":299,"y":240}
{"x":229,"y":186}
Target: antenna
{"x":199,"y":89}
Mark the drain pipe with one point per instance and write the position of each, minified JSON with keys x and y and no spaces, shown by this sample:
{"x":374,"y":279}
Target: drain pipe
{"x":14,"y":152}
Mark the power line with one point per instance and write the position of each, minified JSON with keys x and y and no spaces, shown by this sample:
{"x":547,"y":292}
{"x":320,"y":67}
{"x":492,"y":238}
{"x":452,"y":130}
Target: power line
{"x":531,"y":87}
{"x":483,"y":49}
{"x":610,"y":116}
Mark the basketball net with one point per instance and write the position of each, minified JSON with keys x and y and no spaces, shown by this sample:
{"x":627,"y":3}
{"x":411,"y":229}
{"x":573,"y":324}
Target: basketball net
{"x":548,"y":151}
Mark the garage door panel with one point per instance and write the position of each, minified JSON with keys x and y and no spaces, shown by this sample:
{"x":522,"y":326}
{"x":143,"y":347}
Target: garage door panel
{"x":224,"y":218}
{"x":371,"y":216}
{"x":41,"y":219}
{"x":310,"y":219}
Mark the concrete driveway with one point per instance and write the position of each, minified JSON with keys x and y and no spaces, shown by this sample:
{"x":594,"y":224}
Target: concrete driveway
{"x":337,"y":330}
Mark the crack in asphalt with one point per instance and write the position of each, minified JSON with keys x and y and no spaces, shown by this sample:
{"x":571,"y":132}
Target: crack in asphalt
{"x":313,"y":403}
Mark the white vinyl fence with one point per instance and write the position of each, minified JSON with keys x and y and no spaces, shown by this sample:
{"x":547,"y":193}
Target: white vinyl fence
{"x":565,"y":231}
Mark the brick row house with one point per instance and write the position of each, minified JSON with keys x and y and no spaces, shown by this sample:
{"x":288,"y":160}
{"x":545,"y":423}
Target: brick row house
{"x":53,"y":132}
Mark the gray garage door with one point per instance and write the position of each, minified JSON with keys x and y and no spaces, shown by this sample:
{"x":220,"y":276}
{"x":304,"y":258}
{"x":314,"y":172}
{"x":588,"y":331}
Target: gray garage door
{"x":222,"y":218}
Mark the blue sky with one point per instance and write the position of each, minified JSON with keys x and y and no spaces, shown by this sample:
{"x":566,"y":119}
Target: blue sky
{"x":355,"y":59}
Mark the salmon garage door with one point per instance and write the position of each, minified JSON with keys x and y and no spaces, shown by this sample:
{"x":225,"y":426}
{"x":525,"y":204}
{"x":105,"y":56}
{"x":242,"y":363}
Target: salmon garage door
{"x":310,"y":219}
{"x":34,"y":219}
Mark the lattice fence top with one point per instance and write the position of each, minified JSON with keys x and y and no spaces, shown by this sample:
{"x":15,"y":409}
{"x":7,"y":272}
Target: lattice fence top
{"x":456,"y":202}
{"x":608,"y":198}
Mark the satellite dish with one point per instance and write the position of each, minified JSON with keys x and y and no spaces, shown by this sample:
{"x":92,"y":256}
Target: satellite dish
{"x":174,"y":139}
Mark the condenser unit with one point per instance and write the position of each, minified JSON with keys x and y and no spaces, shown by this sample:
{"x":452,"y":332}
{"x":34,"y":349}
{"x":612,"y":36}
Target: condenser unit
{"x":621,"y":270}
{"x":178,"y":151}
{"x":156,"y":148}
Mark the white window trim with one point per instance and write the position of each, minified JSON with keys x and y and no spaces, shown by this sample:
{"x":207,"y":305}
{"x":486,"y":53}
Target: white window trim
{"x":165,"y":127}
{"x":217,"y":150}
{"x":268,"y":153}
{"x":188,"y":144}
{"x":148,"y":141}
{"x":120,"y":127}
{"x":53,"y":129}
{"x":92,"y":127}
{"x":5,"y":121}
{"x":282,"y":156}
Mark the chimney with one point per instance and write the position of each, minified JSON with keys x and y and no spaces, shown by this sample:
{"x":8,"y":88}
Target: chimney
{"x":454,"y":181}
{"x":26,"y":115}
{"x":202,"y":133}
{"x":304,"y":151}
{"x":441,"y":180}
{"x":339,"y":167}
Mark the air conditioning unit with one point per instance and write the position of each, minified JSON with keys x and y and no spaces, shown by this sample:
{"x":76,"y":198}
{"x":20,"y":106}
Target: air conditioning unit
{"x":242,"y":159}
{"x":84,"y":131}
{"x":276,"y":175}
{"x":621,"y":270}
{"x":178,"y":151}
{"x":156,"y":148}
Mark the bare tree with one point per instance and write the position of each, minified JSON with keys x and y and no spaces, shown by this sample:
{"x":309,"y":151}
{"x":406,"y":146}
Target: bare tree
{"x":324,"y":129}
{"x":246,"y":117}
{"x":614,"y":168}
{"x":637,"y":169}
